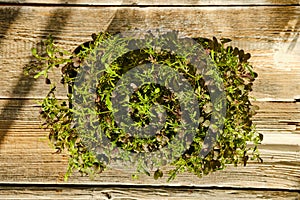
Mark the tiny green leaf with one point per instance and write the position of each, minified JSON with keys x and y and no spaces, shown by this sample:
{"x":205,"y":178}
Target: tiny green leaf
{"x":34,"y":51}
{"x":158,"y":174}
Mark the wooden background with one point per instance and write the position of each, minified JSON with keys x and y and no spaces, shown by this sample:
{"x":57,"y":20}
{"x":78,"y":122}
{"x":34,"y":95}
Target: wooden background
{"x":268,"y":29}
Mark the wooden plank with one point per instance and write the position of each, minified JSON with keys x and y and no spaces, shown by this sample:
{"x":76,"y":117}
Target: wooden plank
{"x":270,"y":34}
{"x":280,"y":169}
{"x":65,"y":192}
{"x":155,"y":2}
{"x":271,"y":118}
{"x":277,"y":117}
{"x":25,"y":156}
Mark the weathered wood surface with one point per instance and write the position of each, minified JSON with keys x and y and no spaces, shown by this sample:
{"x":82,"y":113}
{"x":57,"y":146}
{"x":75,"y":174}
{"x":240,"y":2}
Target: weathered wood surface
{"x":27,"y":158}
{"x":148,"y":193}
{"x":269,"y":33}
{"x":25,"y":155}
{"x":156,"y":2}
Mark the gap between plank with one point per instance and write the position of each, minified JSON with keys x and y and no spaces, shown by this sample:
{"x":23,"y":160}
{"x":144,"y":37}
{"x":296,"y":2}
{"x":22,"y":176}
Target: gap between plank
{"x":140,"y":6}
{"x":130,"y":186}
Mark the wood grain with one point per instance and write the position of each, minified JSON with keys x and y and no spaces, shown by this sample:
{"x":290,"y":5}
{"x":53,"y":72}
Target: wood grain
{"x":271,"y":118}
{"x":154,"y":2}
{"x":130,"y":192}
{"x":270,"y":32}
{"x":31,"y":160}
{"x":25,"y":156}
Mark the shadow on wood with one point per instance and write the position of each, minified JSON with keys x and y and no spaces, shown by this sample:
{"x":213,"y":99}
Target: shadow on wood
{"x":59,"y":15}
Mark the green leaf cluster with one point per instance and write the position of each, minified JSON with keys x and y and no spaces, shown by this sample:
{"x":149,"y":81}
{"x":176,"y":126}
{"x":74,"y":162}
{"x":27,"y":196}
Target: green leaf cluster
{"x":231,"y":147}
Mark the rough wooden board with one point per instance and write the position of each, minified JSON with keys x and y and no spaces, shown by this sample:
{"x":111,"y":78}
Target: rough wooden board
{"x":277,"y":117}
{"x":25,"y":156}
{"x":272,"y":117}
{"x":270,"y":34}
{"x":280,"y":171}
{"x":148,"y":193}
{"x":155,"y":2}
